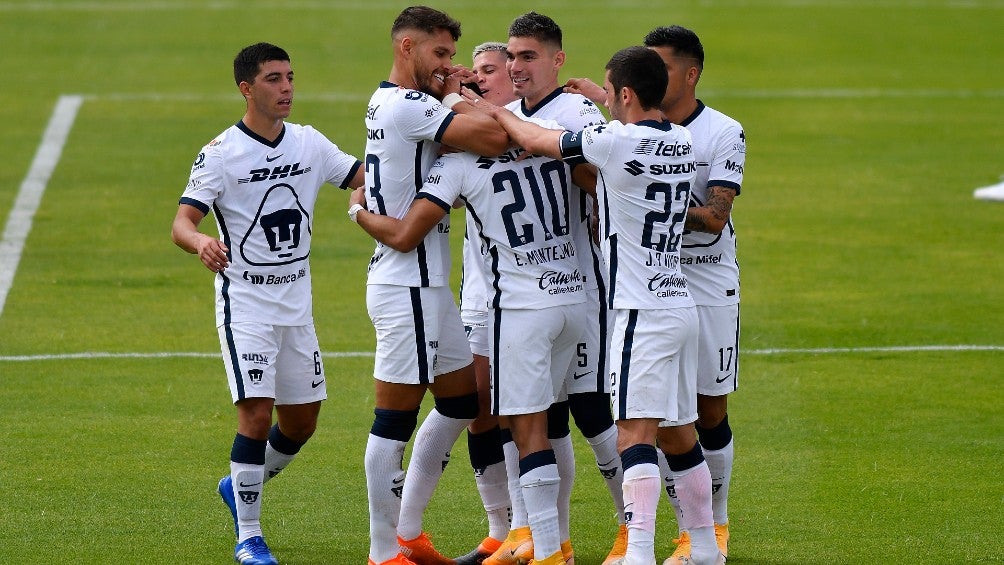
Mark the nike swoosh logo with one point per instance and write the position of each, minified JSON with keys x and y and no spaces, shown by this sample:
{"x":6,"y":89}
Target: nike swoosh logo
{"x":317,"y":384}
{"x":580,"y":375}
{"x":722,"y":380}
{"x":397,"y":481}
{"x":250,"y":485}
{"x":270,"y":159}
{"x":607,"y":464}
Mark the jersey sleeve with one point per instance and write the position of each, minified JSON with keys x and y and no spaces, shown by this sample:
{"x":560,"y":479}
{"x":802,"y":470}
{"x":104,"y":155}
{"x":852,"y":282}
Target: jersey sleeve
{"x":445,"y":181}
{"x":420,"y":117}
{"x":339,"y":166}
{"x":591,"y":145}
{"x":729,"y":158}
{"x":205,"y":184}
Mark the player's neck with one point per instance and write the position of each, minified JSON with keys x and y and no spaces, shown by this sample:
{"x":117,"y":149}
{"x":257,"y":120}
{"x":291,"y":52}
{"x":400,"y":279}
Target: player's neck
{"x":402,"y":78}
{"x":681,"y":110}
{"x":532,"y":102}
{"x":267,"y":128}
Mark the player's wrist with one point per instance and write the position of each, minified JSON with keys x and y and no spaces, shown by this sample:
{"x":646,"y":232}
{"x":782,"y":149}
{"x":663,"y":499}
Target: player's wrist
{"x":354,"y":211}
{"x":452,"y":99}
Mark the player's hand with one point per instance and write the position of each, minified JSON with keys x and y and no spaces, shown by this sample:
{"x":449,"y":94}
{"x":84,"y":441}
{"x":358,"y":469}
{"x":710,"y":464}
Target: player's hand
{"x":480,"y":103}
{"x":358,"y":196}
{"x":455,"y":77}
{"x":213,"y":253}
{"x":587,"y":88}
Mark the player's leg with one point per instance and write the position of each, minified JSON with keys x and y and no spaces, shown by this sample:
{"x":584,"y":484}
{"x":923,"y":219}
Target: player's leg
{"x":641,"y":486}
{"x":718,"y":376}
{"x":402,"y":370}
{"x":560,"y":437}
{"x":454,"y":387}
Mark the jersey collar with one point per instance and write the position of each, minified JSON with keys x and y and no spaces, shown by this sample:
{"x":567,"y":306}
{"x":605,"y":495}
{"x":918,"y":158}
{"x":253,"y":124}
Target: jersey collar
{"x":273,"y":144}
{"x":529,"y":111}
{"x":693,"y":116}
{"x":662,"y":125}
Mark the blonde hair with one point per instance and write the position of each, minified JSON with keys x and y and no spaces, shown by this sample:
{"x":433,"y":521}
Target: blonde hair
{"x":488,"y":46}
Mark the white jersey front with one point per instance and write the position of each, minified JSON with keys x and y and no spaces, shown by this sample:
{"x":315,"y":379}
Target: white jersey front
{"x":262,"y":194}
{"x":404,"y":128}
{"x":708,"y":260}
{"x":573,"y":112}
{"x":645,"y":174}
{"x":521,"y":213}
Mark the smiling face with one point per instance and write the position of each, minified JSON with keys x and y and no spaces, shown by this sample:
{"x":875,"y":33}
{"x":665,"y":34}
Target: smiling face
{"x":431,"y":56}
{"x":270,"y":94}
{"x":533,"y":67}
{"x":493,"y":80}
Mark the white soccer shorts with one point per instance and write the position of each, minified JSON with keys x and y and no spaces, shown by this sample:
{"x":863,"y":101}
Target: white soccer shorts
{"x":419,"y":334}
{"x":279,"y":362}
{"x":718,"y":350}
{"x":588,"y":370}
{"x":478,"y":335}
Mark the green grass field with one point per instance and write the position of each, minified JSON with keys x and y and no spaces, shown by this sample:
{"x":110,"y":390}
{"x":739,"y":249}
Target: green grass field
{"x":868,"y":427}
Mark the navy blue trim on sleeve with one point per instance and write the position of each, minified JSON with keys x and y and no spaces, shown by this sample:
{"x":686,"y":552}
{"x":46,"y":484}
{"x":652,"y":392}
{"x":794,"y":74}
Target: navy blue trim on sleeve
{"x":570,"y":146}
{"x":726,"y":184}
{"x":437,"y":201}
{"x":352,"y":173}
{"x":194,"y":204}
{"x":443,"y":126}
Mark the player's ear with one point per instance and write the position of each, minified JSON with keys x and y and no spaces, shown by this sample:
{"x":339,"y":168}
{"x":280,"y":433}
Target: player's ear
{"x":245,"y":88}
{"x":559,"y":59}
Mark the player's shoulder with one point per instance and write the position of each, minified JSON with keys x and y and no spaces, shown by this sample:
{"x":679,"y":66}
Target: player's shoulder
{"x":580,"y":104}
{"x":718,"y":120}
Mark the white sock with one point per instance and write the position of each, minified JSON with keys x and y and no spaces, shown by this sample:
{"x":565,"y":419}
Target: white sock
{"x":540,"y":493}
{"x":275,"y":461}
{"x":693,"y":487}
{"x":493,"y":486}
{"x":564,"y":454}
{"x":248,"y":480}
{"x":604,"y":447}
{"x":669,"y":486}
{"x":384,"y":485}
{"x":429,"y":457}
{"x":720,"y":465}
{"x":519,"y":518}
{"x":641,"y":486}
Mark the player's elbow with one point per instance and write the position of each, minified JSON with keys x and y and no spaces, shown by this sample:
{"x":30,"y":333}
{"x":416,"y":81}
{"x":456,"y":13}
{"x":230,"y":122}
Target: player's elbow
{"x":402,"y":242}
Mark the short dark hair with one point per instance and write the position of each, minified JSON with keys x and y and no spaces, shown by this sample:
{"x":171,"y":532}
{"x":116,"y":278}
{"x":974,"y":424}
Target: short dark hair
{"x":642,"y":70}
{"x":537,"y":26}
{"x":247,"y":62}
{"x":425,"y":19}
{"x":684,"y":42}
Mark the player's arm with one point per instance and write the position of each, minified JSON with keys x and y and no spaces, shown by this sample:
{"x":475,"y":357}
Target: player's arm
{"x":401,"y":235}
{"x":584,"y":176}
{"x":714,"y":214}
{"x":587,"y":88}
{"x":529,"y":136}
{"x":186,"y":235}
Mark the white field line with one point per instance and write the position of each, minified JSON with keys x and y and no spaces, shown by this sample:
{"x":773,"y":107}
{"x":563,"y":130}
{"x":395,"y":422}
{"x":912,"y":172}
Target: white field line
{"x":29,"y":196}
{"x":343,"y":354}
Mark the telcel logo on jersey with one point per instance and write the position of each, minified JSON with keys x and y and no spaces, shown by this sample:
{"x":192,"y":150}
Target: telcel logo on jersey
{"x":666,"y":286}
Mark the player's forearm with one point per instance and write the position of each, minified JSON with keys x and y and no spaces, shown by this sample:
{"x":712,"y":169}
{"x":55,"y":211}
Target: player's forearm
{"x":487,"y":139}
{"x":714,"y":215}
{"x":530,"y":136}
{"x":387,"y":230}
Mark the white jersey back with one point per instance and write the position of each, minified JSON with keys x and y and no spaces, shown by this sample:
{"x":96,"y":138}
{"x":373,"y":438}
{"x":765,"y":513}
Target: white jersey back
{"x":645,"y":174}
{"x":708,"y":260}
{"x":521,"y":213}
{"x":473,"y":284}
{"x":404,"y":128}
{"x":573,"y":112}
{"x":262,"y":194}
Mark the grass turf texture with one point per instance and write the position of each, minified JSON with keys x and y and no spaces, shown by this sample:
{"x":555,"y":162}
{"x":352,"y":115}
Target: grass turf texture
{"x":869,"y":124}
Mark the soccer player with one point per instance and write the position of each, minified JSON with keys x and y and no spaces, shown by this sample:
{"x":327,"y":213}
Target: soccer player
{"x":521,"y":211}
{"x":420,"y":338}
{"x":261,"y":178}
{"x":646,"y":169}
{"x":708,"y":257}
{"x":484,"y":436}
{"x":535,"y":59}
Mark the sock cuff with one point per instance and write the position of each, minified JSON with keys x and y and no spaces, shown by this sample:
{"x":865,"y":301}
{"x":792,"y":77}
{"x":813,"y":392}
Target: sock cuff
{"x":459,"y":407}
{"x":557,"y":420}
{"x":684,"y":461}
{"x":397,"y":425}
{"x":281,"y":443}
{"x":716,"y":438}
{"x":506,"y":434}
{"x":535,"y":460}
{"x":247,"y":450}
{"x":639,"y":454}
{"x":485,"y":448}
{"x":591,"y":411}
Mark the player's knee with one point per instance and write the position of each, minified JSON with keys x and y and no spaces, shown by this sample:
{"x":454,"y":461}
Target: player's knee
{"x":464,"y":407}
{"x":557,"y":420}
{"x":717,"y":437}
{"x":394,"y":424}
{"x":711,"y":410}
{"x":591,"y":411}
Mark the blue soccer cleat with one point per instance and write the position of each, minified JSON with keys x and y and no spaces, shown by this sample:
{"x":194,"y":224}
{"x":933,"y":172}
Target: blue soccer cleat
{"x":226,"y":490}
{"x":253,"y":551}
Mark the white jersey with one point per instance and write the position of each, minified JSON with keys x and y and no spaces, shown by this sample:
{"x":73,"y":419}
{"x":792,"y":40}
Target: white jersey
{"x":645,"y":174}
{"x":572,"y":112}
{"x":404,"y":128}
{"x":262,"y":194}
{"x":521,"y":213}
{"x":473,"y":284}
{"x":708,"y":260}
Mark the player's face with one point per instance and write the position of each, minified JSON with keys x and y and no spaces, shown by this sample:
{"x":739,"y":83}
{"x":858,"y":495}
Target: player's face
{"x":678,"y":68}
{"x":533,"y":67}
{"x":271,"y":93}
{"x":432,"y":60}
{"x":493,"y":80}
{"x":613,"y":102}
